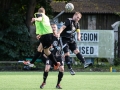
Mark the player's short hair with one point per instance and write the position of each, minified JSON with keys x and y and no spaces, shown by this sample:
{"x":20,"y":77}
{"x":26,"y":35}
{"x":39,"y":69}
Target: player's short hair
{"x":41,"y":10}
{"x":53,"y":24}
{"x":78,"y":13}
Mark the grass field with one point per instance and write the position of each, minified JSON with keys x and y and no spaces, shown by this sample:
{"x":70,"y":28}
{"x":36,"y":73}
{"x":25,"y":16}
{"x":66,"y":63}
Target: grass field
{"x":80,"y":81}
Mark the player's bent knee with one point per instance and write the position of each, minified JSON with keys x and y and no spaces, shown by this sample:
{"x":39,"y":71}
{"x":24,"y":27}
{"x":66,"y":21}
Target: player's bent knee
{"x":67,"y":54}
{"x":61,"y":69}
{"x":47,"y":51}
{"x":46,"y":70}
{"x":40,"y":48}
{"x":76,"y":51}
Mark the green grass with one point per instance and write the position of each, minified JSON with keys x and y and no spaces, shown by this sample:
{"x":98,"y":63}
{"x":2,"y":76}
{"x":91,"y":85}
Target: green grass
{"x":81,"y":81}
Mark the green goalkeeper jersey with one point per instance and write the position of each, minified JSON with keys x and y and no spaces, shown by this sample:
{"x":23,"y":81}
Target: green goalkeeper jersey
{"x":43,"y":27}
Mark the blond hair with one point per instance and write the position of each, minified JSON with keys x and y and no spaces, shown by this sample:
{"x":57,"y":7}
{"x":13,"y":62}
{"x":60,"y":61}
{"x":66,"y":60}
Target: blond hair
{"x":41,"y":10}
{"x":78,"y":13}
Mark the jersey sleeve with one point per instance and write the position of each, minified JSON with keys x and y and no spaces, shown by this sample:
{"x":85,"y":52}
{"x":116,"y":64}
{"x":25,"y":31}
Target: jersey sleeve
{"x":37,"y":15}
{"x":78,"y":26}
{"x":67,"y":22}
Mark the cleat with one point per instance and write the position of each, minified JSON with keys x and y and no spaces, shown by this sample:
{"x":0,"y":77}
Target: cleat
{"x":58,"y":86}
{"x":87,"y":64}
{"x":42,"y":85}
{"x":56,"y":66}
{"x":29,"y":64}
{"x":32,"y":65}
{"x":72,"y":72}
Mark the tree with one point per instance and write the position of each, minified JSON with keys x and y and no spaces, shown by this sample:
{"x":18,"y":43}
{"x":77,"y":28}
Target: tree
{"x":13,"y":31}
{"x":30,"y":12}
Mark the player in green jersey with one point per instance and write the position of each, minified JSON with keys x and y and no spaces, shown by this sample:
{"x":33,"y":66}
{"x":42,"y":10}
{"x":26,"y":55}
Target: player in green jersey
{"x":43,"y":28}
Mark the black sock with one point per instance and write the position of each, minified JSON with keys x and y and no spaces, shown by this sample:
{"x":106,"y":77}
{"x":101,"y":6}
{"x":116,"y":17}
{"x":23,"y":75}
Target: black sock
{"x":37,"y":54}
{"x":45,"y":74}
{"x":52,"y":58}
{"x":60,"y":75}
{"x":67,"y":60}
{"x":80,"y":57}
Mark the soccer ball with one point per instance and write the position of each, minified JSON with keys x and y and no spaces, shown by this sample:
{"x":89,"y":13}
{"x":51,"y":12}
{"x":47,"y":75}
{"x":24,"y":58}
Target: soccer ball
{"x":69,"y":7}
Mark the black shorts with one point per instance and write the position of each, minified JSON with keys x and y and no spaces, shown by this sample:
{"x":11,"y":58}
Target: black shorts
{"x":46,"y":40}
{"x":46,"y":61}
{"x":59,"y":59}
{"x":71,"y":45}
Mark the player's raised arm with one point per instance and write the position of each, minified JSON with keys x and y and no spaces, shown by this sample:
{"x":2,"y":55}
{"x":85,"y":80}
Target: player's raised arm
{"x":61,"y":29}
{"x":37,"y":18}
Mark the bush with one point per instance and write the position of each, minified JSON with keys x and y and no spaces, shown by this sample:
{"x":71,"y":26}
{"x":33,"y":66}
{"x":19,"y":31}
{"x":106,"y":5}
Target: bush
{"x":14,"y":37}
{"x":117,"y":61}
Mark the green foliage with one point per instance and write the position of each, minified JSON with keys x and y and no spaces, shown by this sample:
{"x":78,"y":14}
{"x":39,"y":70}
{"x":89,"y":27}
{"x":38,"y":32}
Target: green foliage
{"x":45,"y":4}
{"x":101,"y":59}
{"x":117,"y":13}
{"x":14,"y":37}
{"x":117,"y":61}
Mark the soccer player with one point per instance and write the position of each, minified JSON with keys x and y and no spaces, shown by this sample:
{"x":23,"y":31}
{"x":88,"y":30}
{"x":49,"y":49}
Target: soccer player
{"x":56,"y":50}
{"x":67,"y":32}
{"x":44,"y":29}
